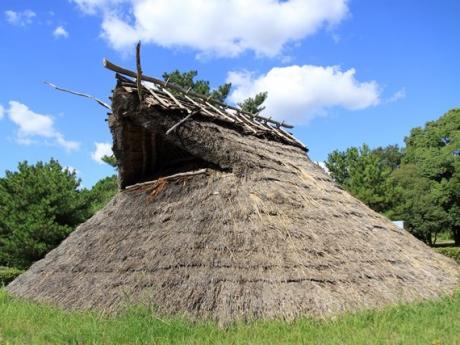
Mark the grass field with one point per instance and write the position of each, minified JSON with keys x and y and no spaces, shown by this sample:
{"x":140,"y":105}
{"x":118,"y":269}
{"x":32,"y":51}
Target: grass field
{"x":424,"y":323}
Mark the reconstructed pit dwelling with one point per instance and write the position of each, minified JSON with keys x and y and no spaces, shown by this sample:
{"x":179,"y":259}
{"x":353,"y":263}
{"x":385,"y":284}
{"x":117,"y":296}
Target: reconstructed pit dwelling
{"x":222,"y":215}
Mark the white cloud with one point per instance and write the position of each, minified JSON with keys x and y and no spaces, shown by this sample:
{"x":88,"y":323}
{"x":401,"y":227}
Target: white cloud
{"x":2,"y":112}
{"x":33,"y":125}
{"x":220,"y":27}
{"x":398,"y":95}
{"x":102,"y":149}
{"x":300,"y":93}
{"x":20,"y":18}
{"x":68,"y":145}
{"x":119,"y":34}
{"x":60,"y":32}
{"x":91,"y":6}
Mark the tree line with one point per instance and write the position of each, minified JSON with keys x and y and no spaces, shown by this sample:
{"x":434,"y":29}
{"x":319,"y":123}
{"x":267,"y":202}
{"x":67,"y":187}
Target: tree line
{"x":419,"y":184}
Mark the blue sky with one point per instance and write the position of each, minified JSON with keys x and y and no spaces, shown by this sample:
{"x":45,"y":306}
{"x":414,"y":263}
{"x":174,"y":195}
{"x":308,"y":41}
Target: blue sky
{"x":344,"y":72}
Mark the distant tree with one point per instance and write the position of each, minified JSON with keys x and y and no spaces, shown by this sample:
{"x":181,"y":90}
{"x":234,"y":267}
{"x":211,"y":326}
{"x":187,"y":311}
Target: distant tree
{"x":432,"y":160}
{"x":104,"y":189}
{"x":253,"y":105}
{"x":420,"y":184}
{"x":110,"y":160}
{"x":102,"y":192}
{"x":187,"y":81}
{"x":419,"y":203}
{"x":40,"y":205}
{"x":365,"y":173}
{"x":390,"y":156}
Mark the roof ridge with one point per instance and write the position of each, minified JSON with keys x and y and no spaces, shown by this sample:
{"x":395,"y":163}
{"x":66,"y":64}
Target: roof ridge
{"x":189,"y":102}
{"x":166,"y":84}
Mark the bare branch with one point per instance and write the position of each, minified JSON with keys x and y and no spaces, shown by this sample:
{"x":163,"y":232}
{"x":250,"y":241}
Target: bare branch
{"x":105,"y":105}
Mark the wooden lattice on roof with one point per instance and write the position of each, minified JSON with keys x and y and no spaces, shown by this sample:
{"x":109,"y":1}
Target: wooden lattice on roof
{"x":169,"y":96}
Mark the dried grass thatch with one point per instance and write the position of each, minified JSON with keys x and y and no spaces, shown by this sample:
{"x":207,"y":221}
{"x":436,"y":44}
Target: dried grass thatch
{"x":259,"y":232}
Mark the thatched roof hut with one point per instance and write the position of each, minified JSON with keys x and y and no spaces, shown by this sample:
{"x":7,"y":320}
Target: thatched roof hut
{"x":222,"y":215}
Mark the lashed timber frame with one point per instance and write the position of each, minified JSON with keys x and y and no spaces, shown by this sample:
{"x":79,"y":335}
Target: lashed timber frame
{"x":169,"y":96}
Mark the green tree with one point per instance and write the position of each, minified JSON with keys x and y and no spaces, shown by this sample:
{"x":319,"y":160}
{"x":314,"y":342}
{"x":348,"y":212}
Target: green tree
{"x":102,"y":192}
{"x":365,"y":173}
{"x":104,"y":189}
{"x":253,"y":105}
{"x":390,"y":156}
{"x":433,"y":155}
{"x":110,"y":160}
{"x":40,"y":205}
{"x":419,"y":203}
{"x":187,"y":81}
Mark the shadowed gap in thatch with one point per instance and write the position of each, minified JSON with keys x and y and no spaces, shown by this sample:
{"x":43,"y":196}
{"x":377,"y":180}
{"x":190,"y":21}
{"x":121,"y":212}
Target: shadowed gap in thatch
{"x":145,"y":155}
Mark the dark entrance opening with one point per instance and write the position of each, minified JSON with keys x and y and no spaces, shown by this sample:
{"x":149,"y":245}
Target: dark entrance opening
{"x":146,"y":155}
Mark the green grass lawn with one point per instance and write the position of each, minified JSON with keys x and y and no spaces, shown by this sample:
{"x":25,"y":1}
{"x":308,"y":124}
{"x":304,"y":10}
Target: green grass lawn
{"x":424,"y":323}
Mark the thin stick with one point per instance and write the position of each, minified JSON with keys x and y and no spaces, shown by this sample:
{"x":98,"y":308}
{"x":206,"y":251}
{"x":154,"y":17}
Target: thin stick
{"x":180,"y":122}
{"x":170,"y":177}
{"x":79,"y":94}
{"x":219,"y":112}
{"x":199,"y":106}
{"x":179,"y":104}
{"x":139,"y":71}
{"x":158,"y":98}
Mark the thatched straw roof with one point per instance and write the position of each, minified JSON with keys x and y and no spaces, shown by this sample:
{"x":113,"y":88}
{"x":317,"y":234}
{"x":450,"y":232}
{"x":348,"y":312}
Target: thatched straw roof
{"x":216,"y":220}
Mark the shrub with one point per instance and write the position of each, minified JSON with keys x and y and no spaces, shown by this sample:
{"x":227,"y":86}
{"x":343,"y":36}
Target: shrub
{"x":8,"y":274}
{"x":452,"y":252}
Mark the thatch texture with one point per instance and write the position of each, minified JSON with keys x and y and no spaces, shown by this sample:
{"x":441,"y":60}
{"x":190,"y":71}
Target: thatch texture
{"x":264,"y":233}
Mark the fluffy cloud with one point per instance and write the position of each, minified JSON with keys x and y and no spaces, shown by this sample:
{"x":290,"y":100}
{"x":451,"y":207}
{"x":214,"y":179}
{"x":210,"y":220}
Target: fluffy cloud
{"x":300,"y":93}
{"x":102,"y":149}
{"x":20,"y":18}
{"x":60,"y":32}
{"x":221,"y":27}
{"x":2,"y":112}
{"x":33,"y":125}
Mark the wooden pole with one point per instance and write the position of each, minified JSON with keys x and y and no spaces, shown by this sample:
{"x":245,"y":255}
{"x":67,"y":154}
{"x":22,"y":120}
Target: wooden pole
{"x":180,"y":122}
{"x":139,"y":71}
